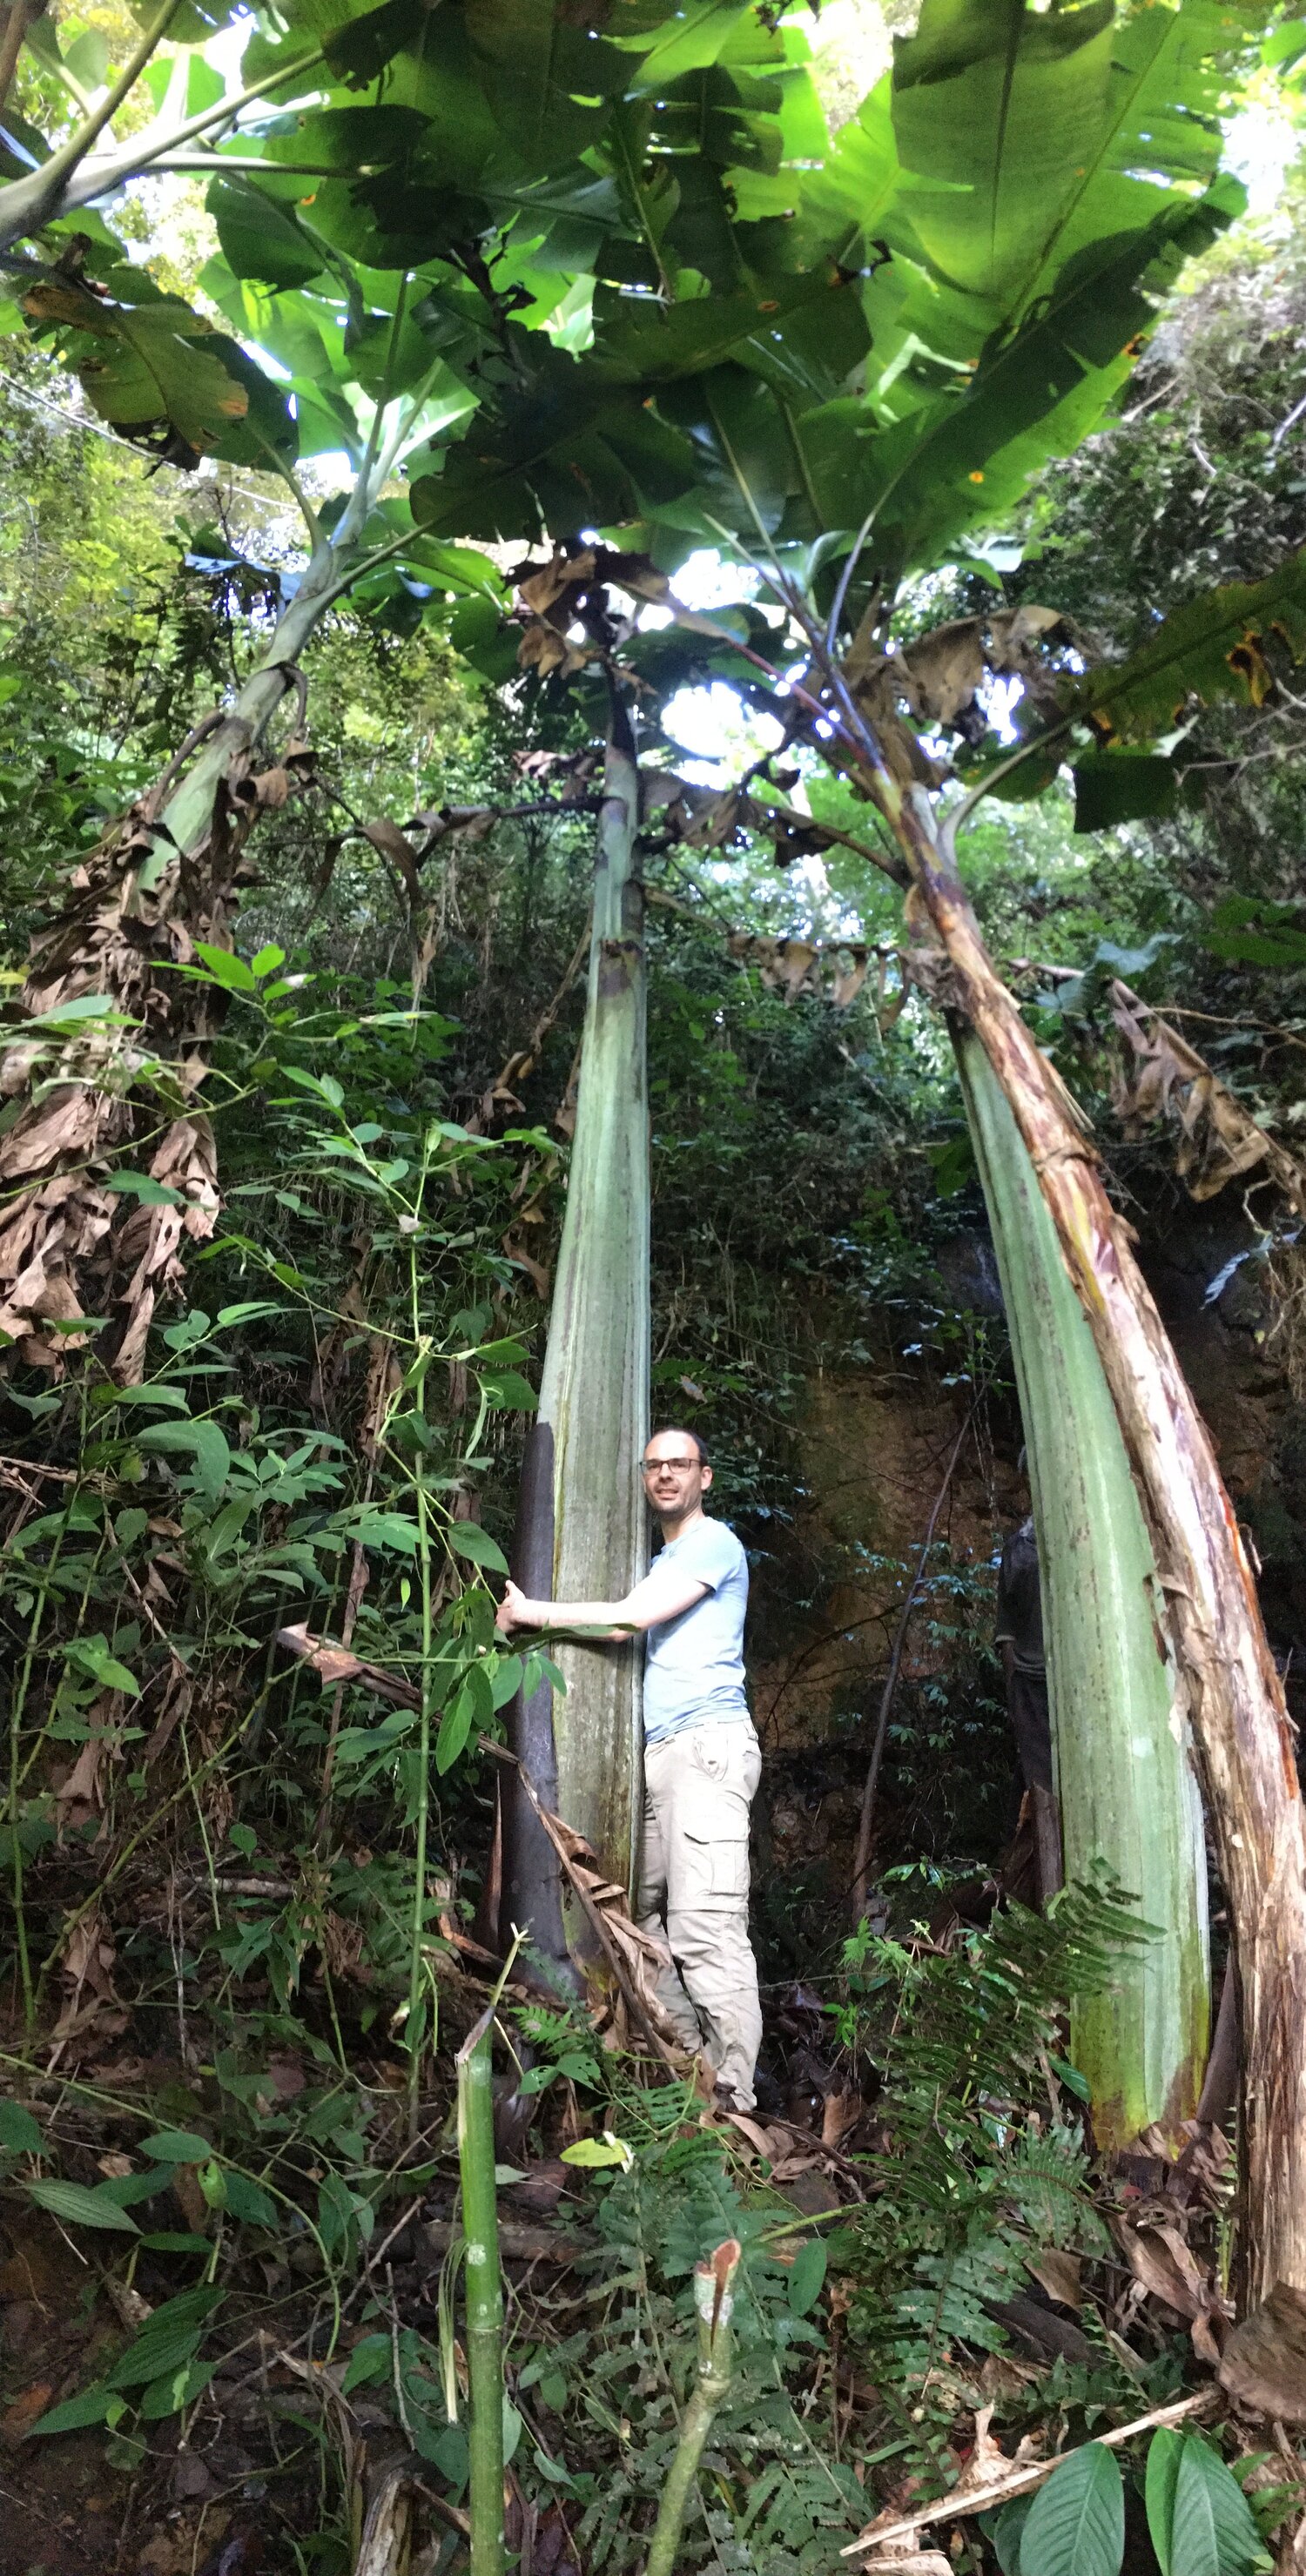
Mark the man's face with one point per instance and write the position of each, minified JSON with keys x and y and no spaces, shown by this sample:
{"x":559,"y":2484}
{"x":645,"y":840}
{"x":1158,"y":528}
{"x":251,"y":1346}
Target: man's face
{"x":675,"y":1478}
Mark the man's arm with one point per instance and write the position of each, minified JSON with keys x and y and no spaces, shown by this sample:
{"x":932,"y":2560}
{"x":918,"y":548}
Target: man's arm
{"x":663,"y":1594}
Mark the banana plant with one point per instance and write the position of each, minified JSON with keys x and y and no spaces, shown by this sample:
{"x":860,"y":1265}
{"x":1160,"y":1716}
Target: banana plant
{"x":594,"y":1392}
{"x":891,"y":347}
{"x":1126,"y":1788}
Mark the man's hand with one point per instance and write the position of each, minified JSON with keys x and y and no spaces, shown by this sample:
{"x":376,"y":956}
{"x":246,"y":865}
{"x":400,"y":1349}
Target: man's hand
{"x":515,"y":1611}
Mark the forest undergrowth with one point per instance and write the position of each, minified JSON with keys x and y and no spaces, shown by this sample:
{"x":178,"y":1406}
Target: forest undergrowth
{"x":252,"y":1683}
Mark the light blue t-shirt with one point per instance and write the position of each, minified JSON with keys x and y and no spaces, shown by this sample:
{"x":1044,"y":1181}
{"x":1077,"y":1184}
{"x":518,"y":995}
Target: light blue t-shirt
{"x":694,"y":1664}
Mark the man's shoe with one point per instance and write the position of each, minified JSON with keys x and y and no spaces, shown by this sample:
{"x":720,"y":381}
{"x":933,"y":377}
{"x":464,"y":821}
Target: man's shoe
{"x":725,"y":2098}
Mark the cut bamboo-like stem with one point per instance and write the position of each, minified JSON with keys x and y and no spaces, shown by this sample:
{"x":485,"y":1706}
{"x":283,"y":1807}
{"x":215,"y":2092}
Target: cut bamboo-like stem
{"x":713,"y":2300}
{"x":483,"y":2294}
{"x":1125,"y":1785}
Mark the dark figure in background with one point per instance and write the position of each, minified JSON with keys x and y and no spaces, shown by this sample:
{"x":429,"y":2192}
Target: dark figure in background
{"x":1020,"y":1642}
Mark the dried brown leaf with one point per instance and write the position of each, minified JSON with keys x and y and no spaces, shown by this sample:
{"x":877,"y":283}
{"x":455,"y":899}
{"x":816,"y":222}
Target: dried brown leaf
{"x":1166,"y":1078}
{"x":1058,"y":2273}
{"x":849,"y":979}
{"x":1263,"y":2365}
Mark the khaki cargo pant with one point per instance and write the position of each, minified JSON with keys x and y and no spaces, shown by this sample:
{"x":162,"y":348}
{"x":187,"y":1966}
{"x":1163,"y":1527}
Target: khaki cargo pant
{"x":693,"y":1892}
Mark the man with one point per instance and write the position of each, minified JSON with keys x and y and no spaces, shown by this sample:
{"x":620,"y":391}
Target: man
{"x":702,"y":1760}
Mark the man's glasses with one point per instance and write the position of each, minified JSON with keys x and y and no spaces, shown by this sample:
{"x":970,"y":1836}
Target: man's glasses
{"x":675,"y":1466}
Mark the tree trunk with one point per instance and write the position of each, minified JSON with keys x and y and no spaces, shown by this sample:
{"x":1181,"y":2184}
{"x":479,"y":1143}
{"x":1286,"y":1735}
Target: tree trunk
{"x":1240,"y":1725}
{"x":594,"y":1395}
{"x":1127,"y":1793}
{"x":164,"y":876}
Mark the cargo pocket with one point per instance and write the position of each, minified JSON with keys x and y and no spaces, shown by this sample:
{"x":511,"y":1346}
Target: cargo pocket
{"x":715,"y":1872}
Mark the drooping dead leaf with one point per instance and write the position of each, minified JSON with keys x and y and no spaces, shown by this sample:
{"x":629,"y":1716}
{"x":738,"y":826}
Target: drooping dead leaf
{"x":939,"y":675}
{"x":1219,"y":1140}
{"x":91,"y":2005}
{"x":1018,"y":639}
{"x":877,"y":681}
{"x":840,"y":2113}
{"x":1263,"y":2365}
{"x":1165,"y":2264}
{"x":394,"y":845}
{"x":543,"y":649}
{"x":849,"y":978}
{"x":334,"y":1664}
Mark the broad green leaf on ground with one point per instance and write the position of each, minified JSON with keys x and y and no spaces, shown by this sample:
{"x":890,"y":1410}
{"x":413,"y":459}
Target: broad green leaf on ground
{"x":20,"y":2134}
{"x":81,"y":2206}
{"x":1212,"y":2531}
{"x":75,"y":2413}
{"x":1076,"y":2524}
{"x":168,"y":2340}
{"x":177,"y":2147}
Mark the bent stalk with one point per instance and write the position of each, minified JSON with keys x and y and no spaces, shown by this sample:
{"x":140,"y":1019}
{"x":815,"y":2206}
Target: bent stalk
{"x":1240,"y":1723}
{"x":1125,"y":1788}
{"x":713,"y":2301}
{"x":484,"y":2297}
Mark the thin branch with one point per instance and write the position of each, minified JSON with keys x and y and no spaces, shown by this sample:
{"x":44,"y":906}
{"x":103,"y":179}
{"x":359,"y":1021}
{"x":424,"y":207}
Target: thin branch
{"x":981,"y":2498}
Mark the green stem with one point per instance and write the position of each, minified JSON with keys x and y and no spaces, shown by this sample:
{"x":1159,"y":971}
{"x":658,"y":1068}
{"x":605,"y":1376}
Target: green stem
{"x":27,"y":204}
{"x":713,"y":2288}
{"x":383,"y":397}
{"x":413,"y":2027}
{"x":89,"y":131}
{"x":483,"y":2296}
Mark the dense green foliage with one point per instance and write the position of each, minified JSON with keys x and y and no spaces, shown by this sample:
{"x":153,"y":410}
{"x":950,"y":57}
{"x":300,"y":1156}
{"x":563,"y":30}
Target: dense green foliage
{"x":242,"y":1892}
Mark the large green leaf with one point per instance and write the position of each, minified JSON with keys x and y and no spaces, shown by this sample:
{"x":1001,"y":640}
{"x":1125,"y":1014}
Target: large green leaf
{"x":1163,"y":2455}
{"x":167,"y":2340}
{"x":547,"y":83}
{"x":1212,"y":2532}
{"x":688,"y":40}
{"x":1076,"y":2524}
{"x":152,"y":368}
{"x":992,"y":103}
{"x":80,"y":2205}
{"x":261,"y":239}
{"x":564,"y":454}
{"x":1213,"y":647}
